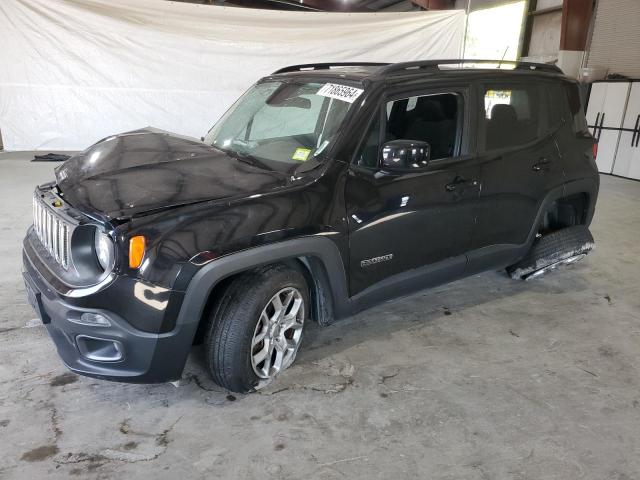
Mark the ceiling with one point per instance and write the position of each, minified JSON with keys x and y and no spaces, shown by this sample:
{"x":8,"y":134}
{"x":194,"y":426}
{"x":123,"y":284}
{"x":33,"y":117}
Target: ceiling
{"x":334,"y":5}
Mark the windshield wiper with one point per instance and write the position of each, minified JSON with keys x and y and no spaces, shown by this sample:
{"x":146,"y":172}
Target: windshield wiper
{"x":242,"y":157}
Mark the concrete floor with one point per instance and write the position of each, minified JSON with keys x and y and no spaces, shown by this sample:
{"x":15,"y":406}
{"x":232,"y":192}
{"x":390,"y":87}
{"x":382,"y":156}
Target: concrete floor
{"x":485,"y":378}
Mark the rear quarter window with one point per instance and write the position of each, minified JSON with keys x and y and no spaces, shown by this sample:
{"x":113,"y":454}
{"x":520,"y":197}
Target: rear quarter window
{"x":576,"y":110}
{"x":564,"y":105}
{"x":557,"y":105}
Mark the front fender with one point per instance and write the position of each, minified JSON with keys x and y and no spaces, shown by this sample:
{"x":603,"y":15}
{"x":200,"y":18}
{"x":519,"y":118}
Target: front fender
{"x":319,"y":248}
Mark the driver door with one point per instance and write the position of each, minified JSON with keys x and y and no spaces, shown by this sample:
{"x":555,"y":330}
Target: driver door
{"x":403,"y":224}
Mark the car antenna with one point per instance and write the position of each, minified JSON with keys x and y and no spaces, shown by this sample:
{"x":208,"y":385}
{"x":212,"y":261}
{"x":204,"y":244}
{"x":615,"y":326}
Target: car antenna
{"x":503,"y":55}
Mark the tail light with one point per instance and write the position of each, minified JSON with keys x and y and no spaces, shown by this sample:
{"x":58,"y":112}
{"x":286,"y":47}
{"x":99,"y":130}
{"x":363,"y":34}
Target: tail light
{"x":595,"y":150}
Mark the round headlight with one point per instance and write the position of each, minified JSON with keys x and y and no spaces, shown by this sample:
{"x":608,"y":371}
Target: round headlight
{"x":104,"y":250}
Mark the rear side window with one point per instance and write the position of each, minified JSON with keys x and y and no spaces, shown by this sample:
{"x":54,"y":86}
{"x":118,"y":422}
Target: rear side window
{"x":512,"y":115}
{"x":429,"y":118}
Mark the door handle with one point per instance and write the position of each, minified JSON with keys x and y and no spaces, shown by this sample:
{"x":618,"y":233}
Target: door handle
{"x":540,"y":165}
{"x":636,"y":132}
{"x":458,"y":181}
{"x":595,"y":125}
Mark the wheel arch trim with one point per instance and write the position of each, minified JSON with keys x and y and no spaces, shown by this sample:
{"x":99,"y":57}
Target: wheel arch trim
{"x":588,"y":186}
{"x":208,"y":276}
{"x":322,"y":250}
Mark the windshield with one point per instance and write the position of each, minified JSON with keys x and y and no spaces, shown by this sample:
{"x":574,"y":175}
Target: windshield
{"x":283,"y":121}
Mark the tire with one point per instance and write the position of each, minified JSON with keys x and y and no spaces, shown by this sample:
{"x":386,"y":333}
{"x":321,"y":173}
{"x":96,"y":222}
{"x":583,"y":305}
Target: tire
{"x":245,"y":312}
{"x":552,"y":250}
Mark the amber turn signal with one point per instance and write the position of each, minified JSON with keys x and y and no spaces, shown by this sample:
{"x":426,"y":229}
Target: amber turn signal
{"x":136,"y":251}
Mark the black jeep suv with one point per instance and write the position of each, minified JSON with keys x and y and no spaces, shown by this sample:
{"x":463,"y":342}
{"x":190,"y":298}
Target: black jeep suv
{"x":323,"y":190}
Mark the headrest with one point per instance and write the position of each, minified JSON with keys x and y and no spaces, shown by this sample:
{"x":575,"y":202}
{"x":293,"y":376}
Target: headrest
{"x":430,"y":110}
{"x":503,"y":113}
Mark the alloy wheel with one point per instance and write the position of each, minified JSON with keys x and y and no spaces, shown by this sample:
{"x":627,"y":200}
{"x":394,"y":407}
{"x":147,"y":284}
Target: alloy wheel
{"x":277,"y":334}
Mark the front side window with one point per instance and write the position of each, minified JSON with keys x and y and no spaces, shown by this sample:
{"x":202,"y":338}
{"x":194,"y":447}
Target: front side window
{"x":429,"y":118}
{"x":512,"y":115}
{"x":280,"y":121}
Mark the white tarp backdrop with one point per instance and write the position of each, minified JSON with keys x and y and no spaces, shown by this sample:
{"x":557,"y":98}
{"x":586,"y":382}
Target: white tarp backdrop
{"x":75,"y":71}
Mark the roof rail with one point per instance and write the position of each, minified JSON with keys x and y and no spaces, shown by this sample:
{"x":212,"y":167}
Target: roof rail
{"x":435,"y":65}
{"x":326,"y":66}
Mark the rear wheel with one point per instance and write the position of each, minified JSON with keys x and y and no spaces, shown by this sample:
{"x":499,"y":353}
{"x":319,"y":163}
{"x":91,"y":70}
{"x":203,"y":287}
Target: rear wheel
{"x":553,"y":250}
{"x":256,"y":331}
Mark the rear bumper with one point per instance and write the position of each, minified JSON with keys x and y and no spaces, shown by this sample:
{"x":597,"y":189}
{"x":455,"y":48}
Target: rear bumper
{"x":116,"y":352}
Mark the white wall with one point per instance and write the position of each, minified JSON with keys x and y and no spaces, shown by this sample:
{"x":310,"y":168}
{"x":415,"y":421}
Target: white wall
{"x":75,"y":71}
{"x":615,"y":40}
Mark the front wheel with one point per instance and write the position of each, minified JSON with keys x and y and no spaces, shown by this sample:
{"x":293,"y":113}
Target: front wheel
{"x":256,"y":330}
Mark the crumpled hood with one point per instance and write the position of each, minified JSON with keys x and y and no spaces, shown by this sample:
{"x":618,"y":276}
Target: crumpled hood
{"x":150,"y":169}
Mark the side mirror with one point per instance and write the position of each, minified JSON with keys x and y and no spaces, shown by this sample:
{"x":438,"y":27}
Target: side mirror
{"x":405,"y":155}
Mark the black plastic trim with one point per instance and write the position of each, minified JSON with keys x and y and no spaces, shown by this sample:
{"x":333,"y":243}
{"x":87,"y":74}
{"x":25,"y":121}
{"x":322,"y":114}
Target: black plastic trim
{"x":326,"y":66}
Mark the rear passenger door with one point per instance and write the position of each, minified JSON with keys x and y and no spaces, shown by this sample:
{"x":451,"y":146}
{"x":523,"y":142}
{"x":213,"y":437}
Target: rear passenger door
{"x":519,"y":164}
{"x":401,"y":221}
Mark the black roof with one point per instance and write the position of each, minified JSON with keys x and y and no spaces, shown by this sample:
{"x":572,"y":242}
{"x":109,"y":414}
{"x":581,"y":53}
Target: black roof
{"x":374,"y":71}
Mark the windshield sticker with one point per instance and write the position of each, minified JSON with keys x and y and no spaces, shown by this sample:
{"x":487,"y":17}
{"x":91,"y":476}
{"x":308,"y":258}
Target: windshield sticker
{"x":301,"y":154}
{"x":340,"y":92}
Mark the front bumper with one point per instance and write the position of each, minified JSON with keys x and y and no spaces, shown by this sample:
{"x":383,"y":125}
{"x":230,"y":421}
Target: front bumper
{"x":136,"y":356}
